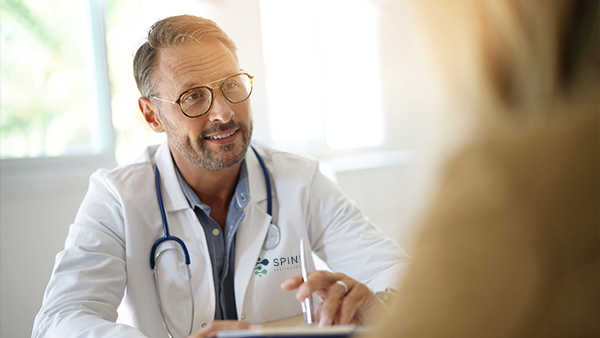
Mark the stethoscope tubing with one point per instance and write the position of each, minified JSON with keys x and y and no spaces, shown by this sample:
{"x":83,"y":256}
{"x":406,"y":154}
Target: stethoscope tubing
{"x":167,"y":236}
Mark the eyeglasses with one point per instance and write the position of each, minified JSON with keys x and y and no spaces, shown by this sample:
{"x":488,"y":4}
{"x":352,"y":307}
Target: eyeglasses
{"x":197,"y":101}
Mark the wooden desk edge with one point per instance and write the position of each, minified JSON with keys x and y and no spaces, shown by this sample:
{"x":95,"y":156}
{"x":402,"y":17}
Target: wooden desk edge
{"x":291,"y":321}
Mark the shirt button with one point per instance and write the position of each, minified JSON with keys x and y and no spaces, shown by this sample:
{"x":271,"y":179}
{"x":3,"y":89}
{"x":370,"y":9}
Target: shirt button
{"x":203,"y":324}
{"x":216,"y":232}
{"x":243,"y":317}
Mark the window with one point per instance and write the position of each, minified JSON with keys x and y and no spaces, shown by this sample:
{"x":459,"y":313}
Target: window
{"x":322,"y":74}
{"x":127,"y":23}
{"x":54,"y":82}
{"x":57,"y":102}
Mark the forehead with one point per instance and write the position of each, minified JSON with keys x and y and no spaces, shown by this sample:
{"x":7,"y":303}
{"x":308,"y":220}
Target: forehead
{"x":194,"y":63}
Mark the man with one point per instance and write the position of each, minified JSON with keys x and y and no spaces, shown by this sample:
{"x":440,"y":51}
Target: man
{"x":198,"y":207}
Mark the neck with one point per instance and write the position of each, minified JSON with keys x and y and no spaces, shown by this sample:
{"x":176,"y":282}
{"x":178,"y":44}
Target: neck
{"x":214,"y":188}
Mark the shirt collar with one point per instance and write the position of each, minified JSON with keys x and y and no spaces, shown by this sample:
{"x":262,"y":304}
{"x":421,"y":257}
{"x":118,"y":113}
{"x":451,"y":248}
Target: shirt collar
{"x":242,"y":190}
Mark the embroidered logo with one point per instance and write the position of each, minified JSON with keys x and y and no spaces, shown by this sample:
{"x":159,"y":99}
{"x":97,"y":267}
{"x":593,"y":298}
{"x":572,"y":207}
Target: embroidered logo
{"x":259,"y":270}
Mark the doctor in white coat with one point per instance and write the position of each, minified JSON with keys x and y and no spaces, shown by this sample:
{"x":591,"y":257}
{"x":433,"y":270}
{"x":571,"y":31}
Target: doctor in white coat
{"x":243,"y":262}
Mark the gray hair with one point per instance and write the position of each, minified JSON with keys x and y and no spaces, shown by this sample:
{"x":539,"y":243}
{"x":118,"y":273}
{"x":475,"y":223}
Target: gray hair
{"x":170,"y":32}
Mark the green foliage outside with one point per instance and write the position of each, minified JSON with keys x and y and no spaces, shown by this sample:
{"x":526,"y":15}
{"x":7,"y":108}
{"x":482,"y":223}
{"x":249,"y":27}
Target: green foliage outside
{"x":45,"y":89}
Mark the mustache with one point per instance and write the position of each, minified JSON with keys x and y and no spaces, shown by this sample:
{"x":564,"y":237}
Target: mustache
{"x":218,"y":127}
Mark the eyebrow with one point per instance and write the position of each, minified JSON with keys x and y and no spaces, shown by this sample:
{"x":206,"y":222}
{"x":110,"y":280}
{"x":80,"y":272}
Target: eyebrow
{"x":215,"y":81}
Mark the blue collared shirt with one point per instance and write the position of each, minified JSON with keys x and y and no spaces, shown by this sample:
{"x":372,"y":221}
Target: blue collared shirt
{"x":221,"y":244}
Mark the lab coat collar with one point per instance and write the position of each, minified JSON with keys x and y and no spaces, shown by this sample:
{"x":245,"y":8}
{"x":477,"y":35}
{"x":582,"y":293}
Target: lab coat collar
{"x":175,"y":199}
{"x":256,"y":178}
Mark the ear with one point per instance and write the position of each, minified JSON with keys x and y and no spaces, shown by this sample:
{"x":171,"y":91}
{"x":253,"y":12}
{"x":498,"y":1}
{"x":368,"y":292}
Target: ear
{"x":151,"y":115}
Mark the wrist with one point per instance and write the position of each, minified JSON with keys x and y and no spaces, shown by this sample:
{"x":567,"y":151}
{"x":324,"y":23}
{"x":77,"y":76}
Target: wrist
{"x":387,"y":296}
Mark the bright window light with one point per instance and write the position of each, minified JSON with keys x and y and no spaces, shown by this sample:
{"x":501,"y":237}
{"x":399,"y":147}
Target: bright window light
{"x":50,"y":89}
{"x":322,"y":73}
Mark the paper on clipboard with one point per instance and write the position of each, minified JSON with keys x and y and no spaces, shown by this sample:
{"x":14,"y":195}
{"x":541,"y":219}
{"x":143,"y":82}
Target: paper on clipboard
{"x":339,"y":331}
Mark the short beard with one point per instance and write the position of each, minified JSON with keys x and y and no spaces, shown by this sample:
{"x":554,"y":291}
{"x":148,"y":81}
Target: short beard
{"x":209,"y":161}
{"x":205,"y":158}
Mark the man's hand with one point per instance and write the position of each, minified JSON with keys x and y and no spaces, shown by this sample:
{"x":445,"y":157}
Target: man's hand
{"x":212,"y":328}
{"x":336,"y":308}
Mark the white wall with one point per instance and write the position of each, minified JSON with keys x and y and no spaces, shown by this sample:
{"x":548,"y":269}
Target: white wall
{"x":33,"y":228}
{"x":386,"y":195}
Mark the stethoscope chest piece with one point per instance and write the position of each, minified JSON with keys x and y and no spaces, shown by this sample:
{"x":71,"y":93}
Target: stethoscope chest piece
{"x":273,"y":237}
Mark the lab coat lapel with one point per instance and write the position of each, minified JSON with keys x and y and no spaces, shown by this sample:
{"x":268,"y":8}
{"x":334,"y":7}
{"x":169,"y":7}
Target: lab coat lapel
{"x":188,"y":228}
{"x":252,"y":231}
{"x":174,"y":199}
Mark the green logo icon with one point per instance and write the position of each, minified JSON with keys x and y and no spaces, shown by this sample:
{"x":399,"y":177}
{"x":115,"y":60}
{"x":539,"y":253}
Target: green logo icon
{"x":259,"y":269}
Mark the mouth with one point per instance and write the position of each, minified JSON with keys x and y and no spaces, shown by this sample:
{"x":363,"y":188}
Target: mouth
{"x":221,"y":136}
{"x":224,"y":138}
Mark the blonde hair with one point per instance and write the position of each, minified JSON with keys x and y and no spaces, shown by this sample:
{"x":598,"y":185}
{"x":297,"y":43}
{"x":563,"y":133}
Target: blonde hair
{"x":516,"y":56}
{"x":170,"y":32}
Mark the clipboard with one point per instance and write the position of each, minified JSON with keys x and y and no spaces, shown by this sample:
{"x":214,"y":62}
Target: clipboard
{"x":294,"y":327}
{"x":339,"y":331}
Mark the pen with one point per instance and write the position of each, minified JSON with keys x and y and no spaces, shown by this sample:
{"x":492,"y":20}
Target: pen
{"x":307,"y":303}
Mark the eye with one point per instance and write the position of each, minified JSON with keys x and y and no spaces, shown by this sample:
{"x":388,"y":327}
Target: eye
{"x":230,"y":85}
{"x":194,"y":96}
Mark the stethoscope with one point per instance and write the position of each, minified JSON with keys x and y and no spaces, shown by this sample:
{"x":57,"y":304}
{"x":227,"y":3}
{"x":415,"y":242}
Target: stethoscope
{"x":271,"y":241}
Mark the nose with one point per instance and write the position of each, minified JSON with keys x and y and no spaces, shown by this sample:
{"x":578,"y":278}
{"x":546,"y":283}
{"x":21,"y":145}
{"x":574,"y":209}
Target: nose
{"x":220,"y":110}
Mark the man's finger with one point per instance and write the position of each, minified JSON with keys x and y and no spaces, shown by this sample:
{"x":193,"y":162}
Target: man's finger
{"x":348,"y":306}
{"x":358,"y":296}
{"x":330,"y":305}
{"x":319,"y":283}
{"x":292,"y":283}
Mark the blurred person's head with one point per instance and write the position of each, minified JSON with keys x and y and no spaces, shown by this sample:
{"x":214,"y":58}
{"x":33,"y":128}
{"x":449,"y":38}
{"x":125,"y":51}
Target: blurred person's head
{"x":515,"y":213}
{"x":515,"y":58}
{"x":507,"y":64}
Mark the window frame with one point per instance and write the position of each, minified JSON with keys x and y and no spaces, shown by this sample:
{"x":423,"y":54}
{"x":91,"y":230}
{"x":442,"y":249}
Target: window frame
{"x":35,"y":173}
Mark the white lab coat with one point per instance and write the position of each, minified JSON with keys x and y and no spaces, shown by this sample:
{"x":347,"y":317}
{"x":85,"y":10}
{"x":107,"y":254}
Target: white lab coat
{"x":104,"y":271}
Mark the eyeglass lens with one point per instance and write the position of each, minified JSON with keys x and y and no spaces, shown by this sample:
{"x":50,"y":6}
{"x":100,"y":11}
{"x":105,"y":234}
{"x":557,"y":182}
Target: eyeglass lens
{"x":198,"y":100}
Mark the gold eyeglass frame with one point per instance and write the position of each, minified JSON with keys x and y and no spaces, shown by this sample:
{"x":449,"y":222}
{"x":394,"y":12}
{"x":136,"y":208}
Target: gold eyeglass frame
{"x":212,"y":94}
